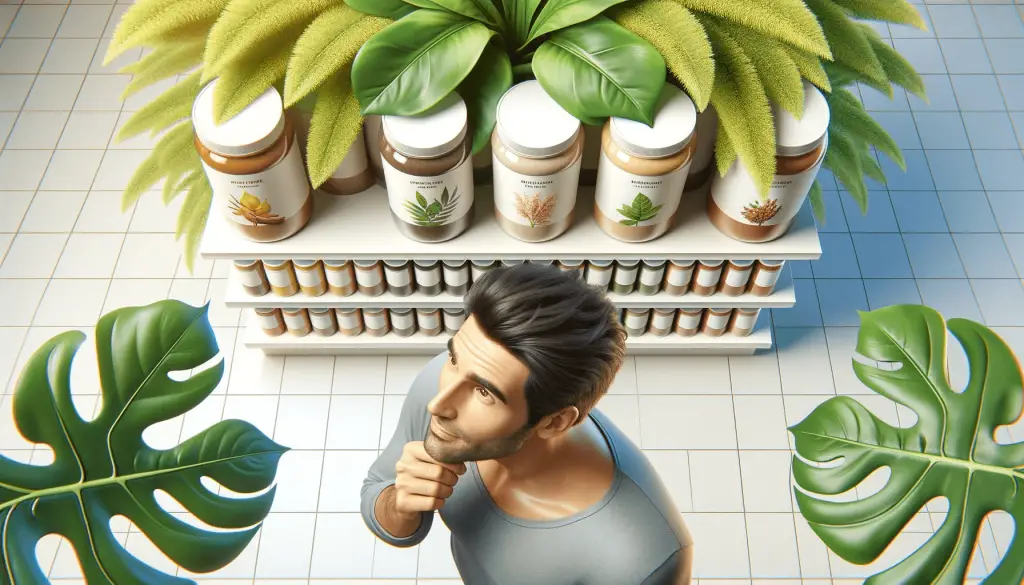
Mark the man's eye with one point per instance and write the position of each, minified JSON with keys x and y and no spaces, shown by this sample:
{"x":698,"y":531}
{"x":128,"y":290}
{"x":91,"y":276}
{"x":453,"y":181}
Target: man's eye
{"x":483,"y":391}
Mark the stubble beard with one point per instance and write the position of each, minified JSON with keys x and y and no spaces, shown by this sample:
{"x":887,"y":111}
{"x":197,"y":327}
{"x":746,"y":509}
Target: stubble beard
{"x":457,"y":451}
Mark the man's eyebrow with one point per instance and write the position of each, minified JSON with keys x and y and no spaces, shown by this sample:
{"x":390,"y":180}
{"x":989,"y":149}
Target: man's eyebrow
{"x":491,"y":386}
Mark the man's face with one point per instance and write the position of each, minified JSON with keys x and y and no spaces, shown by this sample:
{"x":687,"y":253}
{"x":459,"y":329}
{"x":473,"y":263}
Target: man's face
{"x":480,"y":410}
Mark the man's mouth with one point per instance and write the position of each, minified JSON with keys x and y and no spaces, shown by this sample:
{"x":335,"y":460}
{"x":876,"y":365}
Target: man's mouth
{"x":441,"y":433}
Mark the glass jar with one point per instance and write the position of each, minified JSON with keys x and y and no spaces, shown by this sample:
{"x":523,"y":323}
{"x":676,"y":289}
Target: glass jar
{"x":376,"y":321}
{"x":354,"y":174}
{"x":341,"y":277}
{"x":688,"y":321}
{"x":716,"y":321}
{"x":323,"y":321}
{"x":477,"y":268}
{"x":271,"y":321}
{"x":350,"y":321}
{"x":735,"y":277}
{"x":370,"y":277}
{"x":652,"y":272}
{"x":635,"y":321}
{"x":311,"y":277}
{"x":252,"y":277}
{"x":456,"y":276}
{"x":399,"y":276}
{"x":599,"y":273}
{"x":765,"y":276}
{"x":571,"y":265}
{"x":403,"y":321}
{"x":706,"y":277}
{"x":678,"y":274}
{"x":281,"y":277}
{"x":662,"y":321}
{"x":537,"y":148}
{"x":743,"y":321}
{"x":453,"y":319}
{"x":429,"y":322}
{"x":428,"y":277}
{"x":429,"y":172}
{"x":624,"y":278}
{"x":297,"y":321}
{"x":643,"y":170}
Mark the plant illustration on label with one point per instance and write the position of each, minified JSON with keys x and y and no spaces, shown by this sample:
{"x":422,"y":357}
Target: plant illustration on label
{"x":434,"y":213}
{"x":758,"y":213}
{"x":254,"y":210}
{"x":535,"y":209}
{"x":640,"y":210}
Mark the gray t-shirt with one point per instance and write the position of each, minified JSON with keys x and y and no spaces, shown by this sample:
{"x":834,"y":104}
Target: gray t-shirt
{"x":633,"y":536}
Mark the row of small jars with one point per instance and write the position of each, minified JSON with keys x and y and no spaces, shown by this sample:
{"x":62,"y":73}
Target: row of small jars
{"x":430,"y":277}
{"x":350,"y":322}
{"x":687,"y":322}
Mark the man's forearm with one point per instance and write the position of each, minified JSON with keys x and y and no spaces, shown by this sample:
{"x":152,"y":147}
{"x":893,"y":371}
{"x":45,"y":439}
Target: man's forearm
{"x":395,"y":523}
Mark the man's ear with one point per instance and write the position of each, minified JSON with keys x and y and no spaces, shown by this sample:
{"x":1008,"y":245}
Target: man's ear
{"x":558,"y":423}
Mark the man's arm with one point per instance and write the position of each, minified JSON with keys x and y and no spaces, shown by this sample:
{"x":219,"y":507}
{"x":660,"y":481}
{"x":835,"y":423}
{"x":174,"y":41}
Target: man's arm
{"x":377,"y":496}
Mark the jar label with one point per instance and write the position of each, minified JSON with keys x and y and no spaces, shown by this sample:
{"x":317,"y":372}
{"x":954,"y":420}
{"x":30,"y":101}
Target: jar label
{"x":354,"y":162}
{"x":737,"y":277}
{"x":339,"y":278}
{"x":374,"y":320}
{"x":428,"y":276}
{"x":250,"y":277}
{"x":717,"y":321}
{"x":737,"y":195}
{"x":679,"y":276}
{"x":262,"y":200}
{"x":428,"y":320}
{"x":744,"y":321}
{"x":309,"y":278}
{"x":635,"y":321}
{"x":430,"y":201}
{"x":535,"y":201}
{"x":402,"y":320}
{"x":281,"y":277}
{"x":709,"y":276}
{"x":321,"y":320}
{"x":348,"y":320}
{"x":625,"y":275}
{"x":270,"y":322}
{"x":637,"y":200}
{"x":454,"y":321}
{"x":688,"y":320}
{"x":767,"y":278}
{"x":651,"y":276}
{"x":456,"y":276}
{"x":661,"y":320}
{"x":398,"y":277}
{"x":598,"y":276}
{"x":296,"y":321}
{"x":369,"y":276}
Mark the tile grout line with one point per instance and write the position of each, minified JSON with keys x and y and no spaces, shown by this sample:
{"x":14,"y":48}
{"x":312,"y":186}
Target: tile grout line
{"x":739,"y":462}
{"x":323,"y":468}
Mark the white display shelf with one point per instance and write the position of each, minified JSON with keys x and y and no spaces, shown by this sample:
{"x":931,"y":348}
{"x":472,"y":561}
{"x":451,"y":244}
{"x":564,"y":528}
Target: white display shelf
{"x":784,"y":296}
{"x":419,"y":344}
{"x":360,"y":227}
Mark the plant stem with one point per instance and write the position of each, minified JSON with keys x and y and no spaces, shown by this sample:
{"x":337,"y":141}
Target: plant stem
{"x":523,"y":70}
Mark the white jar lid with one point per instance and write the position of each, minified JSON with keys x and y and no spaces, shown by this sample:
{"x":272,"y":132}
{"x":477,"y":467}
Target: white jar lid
{"x":674,"y":120}
{"x":253,"y":130}
{"x":431,"y":134}
{"x":799,"y":136}
{"x":532,"y":124}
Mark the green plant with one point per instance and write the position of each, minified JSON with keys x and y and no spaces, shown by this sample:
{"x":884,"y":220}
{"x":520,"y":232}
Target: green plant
{"x":433,"y":213}
{"x":949,"y":452}
{"x":597,"y":58}
{"x":640,"y":210}
{"x":102,"y":468}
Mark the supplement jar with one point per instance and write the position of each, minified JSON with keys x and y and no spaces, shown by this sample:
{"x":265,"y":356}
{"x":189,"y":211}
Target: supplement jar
{"x":643,"y":170}
{"x":429,"y":171}
{"x":736,"y":206}
{"x":537,"y":148}
{"x":254,"y":165}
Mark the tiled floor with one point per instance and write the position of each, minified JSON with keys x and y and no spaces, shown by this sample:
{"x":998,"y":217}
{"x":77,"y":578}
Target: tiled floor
{"x":949,"y":232}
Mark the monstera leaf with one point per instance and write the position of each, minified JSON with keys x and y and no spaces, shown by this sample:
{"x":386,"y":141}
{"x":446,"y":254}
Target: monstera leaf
{"x":103,"y":468}
{"x":949,"y":452}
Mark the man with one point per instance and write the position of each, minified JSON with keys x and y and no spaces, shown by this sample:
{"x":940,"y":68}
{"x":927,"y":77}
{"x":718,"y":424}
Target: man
{"x":500,"y":436}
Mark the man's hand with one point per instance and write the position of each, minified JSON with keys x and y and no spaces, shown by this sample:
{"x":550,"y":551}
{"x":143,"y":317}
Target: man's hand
{"x":422,"y":484}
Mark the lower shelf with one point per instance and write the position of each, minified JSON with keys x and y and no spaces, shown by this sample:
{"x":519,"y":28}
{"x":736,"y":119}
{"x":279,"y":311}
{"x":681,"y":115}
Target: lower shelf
{"x":418,"y":343}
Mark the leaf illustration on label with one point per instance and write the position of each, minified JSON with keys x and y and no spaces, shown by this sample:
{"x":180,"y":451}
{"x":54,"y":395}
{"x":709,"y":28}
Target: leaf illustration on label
{"x":757,"y":214}
{"x":254,"y":211}
{"x":433,"y":213}
{"x":535,"y":209}
{"x":642,"y":209}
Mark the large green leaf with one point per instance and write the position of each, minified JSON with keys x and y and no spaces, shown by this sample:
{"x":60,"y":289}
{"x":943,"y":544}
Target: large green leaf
{"x":393,"y":9}
{"x":786,"y":20}
{"x":778,"y":73}
{"x":598,"y":69}
{"x":679,"y":37}
{"x":164,"y":62}
{"x":103,"y":468}
{"x":251,"y":75}
{"x":168,"y":108}
{"x":519,"y":17}
{"x":848,"y":40}
{"x":949,"y":452}
{"x":480,"y":10}
{"x":174,"y":150}
{"x":150,"y":22}
{"x":896,"y":11}
{"x":334,"y":127}
{"x":416,"y":62}
{"x":329,"y":44}
{"x":559,"y":14}
{"x":849,"y":116}
{"x":482,"y":90}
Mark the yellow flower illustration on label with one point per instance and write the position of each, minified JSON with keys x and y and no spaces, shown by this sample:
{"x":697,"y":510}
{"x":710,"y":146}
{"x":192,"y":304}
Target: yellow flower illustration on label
{"x":254,"y":211}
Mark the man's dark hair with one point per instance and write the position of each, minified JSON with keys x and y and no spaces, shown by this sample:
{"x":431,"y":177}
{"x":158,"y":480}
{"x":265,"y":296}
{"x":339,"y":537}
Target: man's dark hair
{"x":566,"y":332}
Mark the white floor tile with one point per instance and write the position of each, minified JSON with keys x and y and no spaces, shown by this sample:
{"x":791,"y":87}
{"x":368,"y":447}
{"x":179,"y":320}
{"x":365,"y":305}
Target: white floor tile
{"x":286,"y":546}
{"x":87,"y":130}
{"x":259,"y":411}
{"x":392,"y":562}
{"x":624,"y":412}
{"x":89,"y":256}
{"x":135,"y":292}
{"x":359,"y":375}
{"x":36,"y":22}
{"x":298,"y":496}
{"x":69,"y":56}
{"x":192,"y":292}
{"x":722,"y":544}
{"x":16,"y":203}
{"x":766,"y":481}
{"x":72,"y":303}
{"x":687,"y":422}
{"x":72,"y":170}
{"x":148,"y":256}
{"x":37,"y":130}
{"x":11,"y":339}
{"x":682,"y":375}
{"x":715,"y":481}
{"x":761,"y":422}
{"x":53,"y":211}
{"x":22,"y":170}
{"x":756,"y":374}
{"x":102,"y":213}
{"x":354,"y":422}
{"x":341,"y":532}
{"x":814,"y":555}
{"x":302,"y":421}
{"x":21,"y":298}
{"x":153,"y":216}
{"x":772,"y":541}
{"x":342,"y":479}
{"x":33,"y":256}
{"x":401,"y":371}
{"x":803,"y":361}
{"x":435,"y":560}
{"x":103,"y":92}
{"x":22,"y":55}
{"x":673,"y":467}
{"x":307,"y":375}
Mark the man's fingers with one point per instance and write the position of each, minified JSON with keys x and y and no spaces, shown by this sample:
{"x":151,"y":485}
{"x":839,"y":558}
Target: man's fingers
{"x":432,"y":472}
{"x":415,"y":448}
{"x":424,"y":487}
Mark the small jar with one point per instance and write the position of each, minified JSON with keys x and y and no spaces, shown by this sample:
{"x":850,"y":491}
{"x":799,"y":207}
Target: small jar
{"x":354,"y":174}
{"x":456,"y":276}
{"x":662,"y":321}
{"x":652,"y":273}
{"x":376,"y":322}
{"x":635,"y":321}
{"x":281,"y":277}
{"x":541,"y":262}
{"x":428,"y":277}
{"x":350,"y":321}
{"x":428,"y":171}
{"x":743,"y":322}
{"x":252,"y":277}
{"x":341,"y":277}
{"x":371,"y":136}
{"x":599,"y":273}
{"x":706,"y":277}
{"x":297,"y":321}
{"x":716,"y":321}
{"x":403,"y":322}
{"x":764,"y":277}
{"x":643,"y":169}
{"x":453,"y":319}
{"x":370,"y":277}
{"x":399,"y":276}
{"x":703,"y":166}
{"x":477,"y":268}
{"x":735,"y":276}
{"x":538,"y":148}
{"x":254,"y":165}
{"x":624,"y":278}
{"x":429,"y":322}
{"x":271,"y":321}
{"x":323,"y":321}
{"x":688,"y":321}
{"x":738,"y":208}
{"x":311,"y":277}
{"x":509,"y":262}
{"x":570,"y":265}
{"x":678,"y":274}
